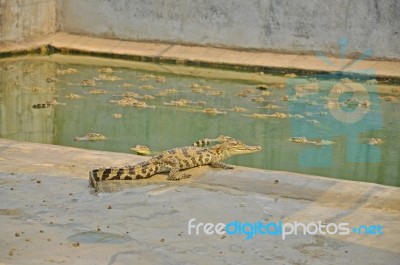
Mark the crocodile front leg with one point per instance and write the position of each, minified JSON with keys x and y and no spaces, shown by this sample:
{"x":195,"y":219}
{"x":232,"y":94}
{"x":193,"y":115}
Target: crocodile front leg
{"x":219,"y":164}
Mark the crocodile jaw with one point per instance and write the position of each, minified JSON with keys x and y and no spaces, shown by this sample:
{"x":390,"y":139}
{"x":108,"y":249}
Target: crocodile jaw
{"x":237,"y":148}
{"x":246,"y":149}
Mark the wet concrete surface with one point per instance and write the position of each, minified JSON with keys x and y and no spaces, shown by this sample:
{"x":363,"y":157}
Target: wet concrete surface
{"x":50,"y":215}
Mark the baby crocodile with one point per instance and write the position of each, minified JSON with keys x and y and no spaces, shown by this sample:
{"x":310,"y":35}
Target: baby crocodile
{"x":173,"y":161}
{"x":90,"y":137}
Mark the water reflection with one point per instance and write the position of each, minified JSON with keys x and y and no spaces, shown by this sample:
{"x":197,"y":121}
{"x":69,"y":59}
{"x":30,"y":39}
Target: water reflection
{"x":23,"y":84}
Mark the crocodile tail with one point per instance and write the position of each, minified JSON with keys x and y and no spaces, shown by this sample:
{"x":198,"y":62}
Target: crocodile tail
{"x":138,"y":171}
{"x":112,"y":173}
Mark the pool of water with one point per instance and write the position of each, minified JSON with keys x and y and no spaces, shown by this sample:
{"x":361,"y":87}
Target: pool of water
{"x":336,"y":115}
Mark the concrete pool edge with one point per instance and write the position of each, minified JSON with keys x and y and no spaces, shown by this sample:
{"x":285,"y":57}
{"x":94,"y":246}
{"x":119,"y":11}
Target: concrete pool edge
{"x":33,"y":158}
{"x":200,"y":55}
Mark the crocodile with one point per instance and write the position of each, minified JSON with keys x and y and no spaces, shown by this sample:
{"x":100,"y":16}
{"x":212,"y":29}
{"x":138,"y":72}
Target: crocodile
{"x":47,"y":104}
{"x":206,"y":141}
{"x":175,"y":160}
{"x":90,"y":137}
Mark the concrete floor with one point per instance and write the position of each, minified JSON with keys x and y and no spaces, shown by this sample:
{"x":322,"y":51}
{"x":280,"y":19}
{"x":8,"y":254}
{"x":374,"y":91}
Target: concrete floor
{"x":47,"y":208}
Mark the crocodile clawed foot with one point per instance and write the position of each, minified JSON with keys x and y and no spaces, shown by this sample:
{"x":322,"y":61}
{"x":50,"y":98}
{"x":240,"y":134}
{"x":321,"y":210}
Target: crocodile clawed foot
{"x":177,"y":178}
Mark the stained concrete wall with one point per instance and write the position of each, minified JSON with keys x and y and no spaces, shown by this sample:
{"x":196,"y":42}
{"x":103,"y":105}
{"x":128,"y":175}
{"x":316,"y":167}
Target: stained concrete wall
{"x":23,"y":20}
{"x":275,"y":25}
{"x":279,"y":25}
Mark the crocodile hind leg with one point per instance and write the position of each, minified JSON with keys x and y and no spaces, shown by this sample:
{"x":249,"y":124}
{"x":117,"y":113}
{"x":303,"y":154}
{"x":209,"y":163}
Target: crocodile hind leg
{"x":174,"y":169}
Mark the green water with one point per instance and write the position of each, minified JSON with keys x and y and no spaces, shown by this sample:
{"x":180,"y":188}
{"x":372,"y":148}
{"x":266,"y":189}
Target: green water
{"x":164,"y":127}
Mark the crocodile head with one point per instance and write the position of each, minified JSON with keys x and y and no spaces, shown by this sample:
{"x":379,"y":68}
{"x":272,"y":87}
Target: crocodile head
{"x":234,"y":147}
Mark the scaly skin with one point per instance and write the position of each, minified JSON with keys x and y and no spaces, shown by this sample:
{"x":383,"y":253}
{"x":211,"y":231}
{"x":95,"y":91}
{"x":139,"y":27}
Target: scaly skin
{"x":175,"y":160}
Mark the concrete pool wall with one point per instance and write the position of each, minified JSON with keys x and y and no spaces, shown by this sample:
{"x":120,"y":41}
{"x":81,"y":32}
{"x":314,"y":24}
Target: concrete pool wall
{"x":279,"y":26}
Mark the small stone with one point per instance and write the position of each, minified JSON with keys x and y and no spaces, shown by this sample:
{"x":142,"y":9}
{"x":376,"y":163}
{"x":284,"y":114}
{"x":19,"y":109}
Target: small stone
{"x":76,"y":244}
{"x":276,"y":181}
{"x":109,"y":207}
{"x":162,"y":240}
{"x":17,"y":234}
